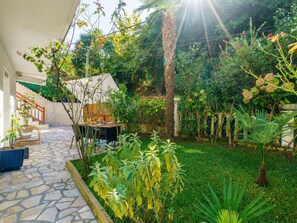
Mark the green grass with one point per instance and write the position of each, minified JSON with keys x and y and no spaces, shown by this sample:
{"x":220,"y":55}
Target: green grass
{"x":206,"y":163}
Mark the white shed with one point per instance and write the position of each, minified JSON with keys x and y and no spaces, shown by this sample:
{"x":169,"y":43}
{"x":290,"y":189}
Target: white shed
{"x":97,"y":85}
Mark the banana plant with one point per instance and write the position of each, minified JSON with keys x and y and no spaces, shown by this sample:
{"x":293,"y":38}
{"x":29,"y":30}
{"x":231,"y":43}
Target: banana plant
{"x":261,"y":132}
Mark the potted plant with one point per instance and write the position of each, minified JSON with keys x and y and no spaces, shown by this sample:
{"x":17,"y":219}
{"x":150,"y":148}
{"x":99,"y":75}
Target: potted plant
{"x":11,"y":158}
{"x":25,"y":108}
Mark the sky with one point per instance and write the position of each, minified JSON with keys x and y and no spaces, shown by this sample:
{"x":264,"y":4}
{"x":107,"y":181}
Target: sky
{"x":105,"y":21}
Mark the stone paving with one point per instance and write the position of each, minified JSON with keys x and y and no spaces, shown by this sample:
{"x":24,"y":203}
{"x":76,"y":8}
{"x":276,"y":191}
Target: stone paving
{"x":43,"y":190}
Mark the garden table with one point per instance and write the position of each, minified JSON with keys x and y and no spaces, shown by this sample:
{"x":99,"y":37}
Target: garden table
{"x":108,"y":131}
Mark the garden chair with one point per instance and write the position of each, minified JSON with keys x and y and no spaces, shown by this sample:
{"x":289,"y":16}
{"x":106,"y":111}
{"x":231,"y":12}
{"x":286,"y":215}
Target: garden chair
{"x":31,"y":137}
{"x":87,"y":132}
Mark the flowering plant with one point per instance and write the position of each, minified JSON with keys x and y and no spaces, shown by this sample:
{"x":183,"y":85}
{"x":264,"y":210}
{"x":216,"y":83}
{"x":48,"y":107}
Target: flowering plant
{"x":283,"y":83}
{"x":195,"y":102}
{"x":242,"y":53}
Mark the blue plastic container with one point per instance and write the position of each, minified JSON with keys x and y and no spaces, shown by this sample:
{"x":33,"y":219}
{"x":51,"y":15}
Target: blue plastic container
{"x":11,"y":159}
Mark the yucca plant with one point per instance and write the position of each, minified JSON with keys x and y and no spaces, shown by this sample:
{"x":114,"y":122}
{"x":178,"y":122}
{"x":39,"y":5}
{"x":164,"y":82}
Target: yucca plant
{"x":261,"y":132}
{"x":213,"y":210}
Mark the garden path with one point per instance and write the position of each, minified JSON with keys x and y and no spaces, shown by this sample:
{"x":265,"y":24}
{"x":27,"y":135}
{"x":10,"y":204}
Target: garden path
{"x":43,"y":190}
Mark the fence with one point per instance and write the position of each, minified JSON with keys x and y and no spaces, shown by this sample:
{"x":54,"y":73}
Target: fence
{"x":210,"y":127}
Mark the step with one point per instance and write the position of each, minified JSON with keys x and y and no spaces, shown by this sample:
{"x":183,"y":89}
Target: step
{"x":42,"y":127}
{"x":45,"y":126}
{"x":35,"y":123}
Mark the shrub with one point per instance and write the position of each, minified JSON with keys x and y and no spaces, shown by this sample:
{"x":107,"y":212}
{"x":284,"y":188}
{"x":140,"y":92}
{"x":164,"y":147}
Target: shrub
{"x":193,"y":111}
{"x":152,"y":112}
{"x":140,"y":185}
{"x":124,"y":108}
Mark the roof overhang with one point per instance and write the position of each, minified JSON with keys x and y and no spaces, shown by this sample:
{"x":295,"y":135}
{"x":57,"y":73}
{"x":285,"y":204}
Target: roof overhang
{"x":27,"y":23}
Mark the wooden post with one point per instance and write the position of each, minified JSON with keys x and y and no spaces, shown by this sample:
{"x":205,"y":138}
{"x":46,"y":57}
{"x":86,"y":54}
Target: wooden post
{"x":176,"y":117}
{"x":235,"y":139}
{"x":220,"y":124}
{"x":228,"y":129}
{"x":43,"y":116}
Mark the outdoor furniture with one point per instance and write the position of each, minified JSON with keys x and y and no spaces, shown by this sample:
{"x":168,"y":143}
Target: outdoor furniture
{"x":83,"y":131}
{"x":101,"y":132}
{"x":29,"y":136}
{"x":108,"y":132}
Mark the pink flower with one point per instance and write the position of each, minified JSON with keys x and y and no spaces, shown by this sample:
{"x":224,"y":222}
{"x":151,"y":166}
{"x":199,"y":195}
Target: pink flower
{"x":283,"y":34}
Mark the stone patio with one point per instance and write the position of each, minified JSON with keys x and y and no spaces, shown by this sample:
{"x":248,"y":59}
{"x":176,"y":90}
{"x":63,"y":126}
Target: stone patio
{"x":43,"y":190}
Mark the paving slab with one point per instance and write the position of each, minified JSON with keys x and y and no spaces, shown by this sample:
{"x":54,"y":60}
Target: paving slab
{"x":43,"y":190}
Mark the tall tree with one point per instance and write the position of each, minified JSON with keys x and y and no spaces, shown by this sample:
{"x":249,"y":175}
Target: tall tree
{"x":167,"y":7}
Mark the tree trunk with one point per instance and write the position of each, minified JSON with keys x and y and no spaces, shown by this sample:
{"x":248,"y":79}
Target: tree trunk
{"x":169,"y":46}
{"x":262,"y":180}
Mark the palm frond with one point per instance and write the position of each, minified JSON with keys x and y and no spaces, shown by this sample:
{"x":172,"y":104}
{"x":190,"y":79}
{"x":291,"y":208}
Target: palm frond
{"x":255,"y":209}
{"x":227,"y":216}
{"x":260,"y":129}
{"x":159,"y":4}
{"x":213,"y":210}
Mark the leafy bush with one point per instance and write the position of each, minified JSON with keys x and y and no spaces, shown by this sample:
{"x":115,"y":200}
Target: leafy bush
{"x":229,"y":210}
{"x":193,"y":113}
{"x":140,"y":185}
{"x":241,"y":53}
{"x":124,"y":108}
{"x":189,"y":69}
{"x":152,"y":112}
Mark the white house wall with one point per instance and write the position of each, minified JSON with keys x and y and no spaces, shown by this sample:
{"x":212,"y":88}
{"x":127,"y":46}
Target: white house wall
{"x":7,"y":91}
{"x":55,"y":113}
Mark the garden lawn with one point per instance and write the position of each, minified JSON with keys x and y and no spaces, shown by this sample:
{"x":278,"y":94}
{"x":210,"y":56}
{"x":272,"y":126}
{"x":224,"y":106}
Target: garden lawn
{"x":211,"y":164}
